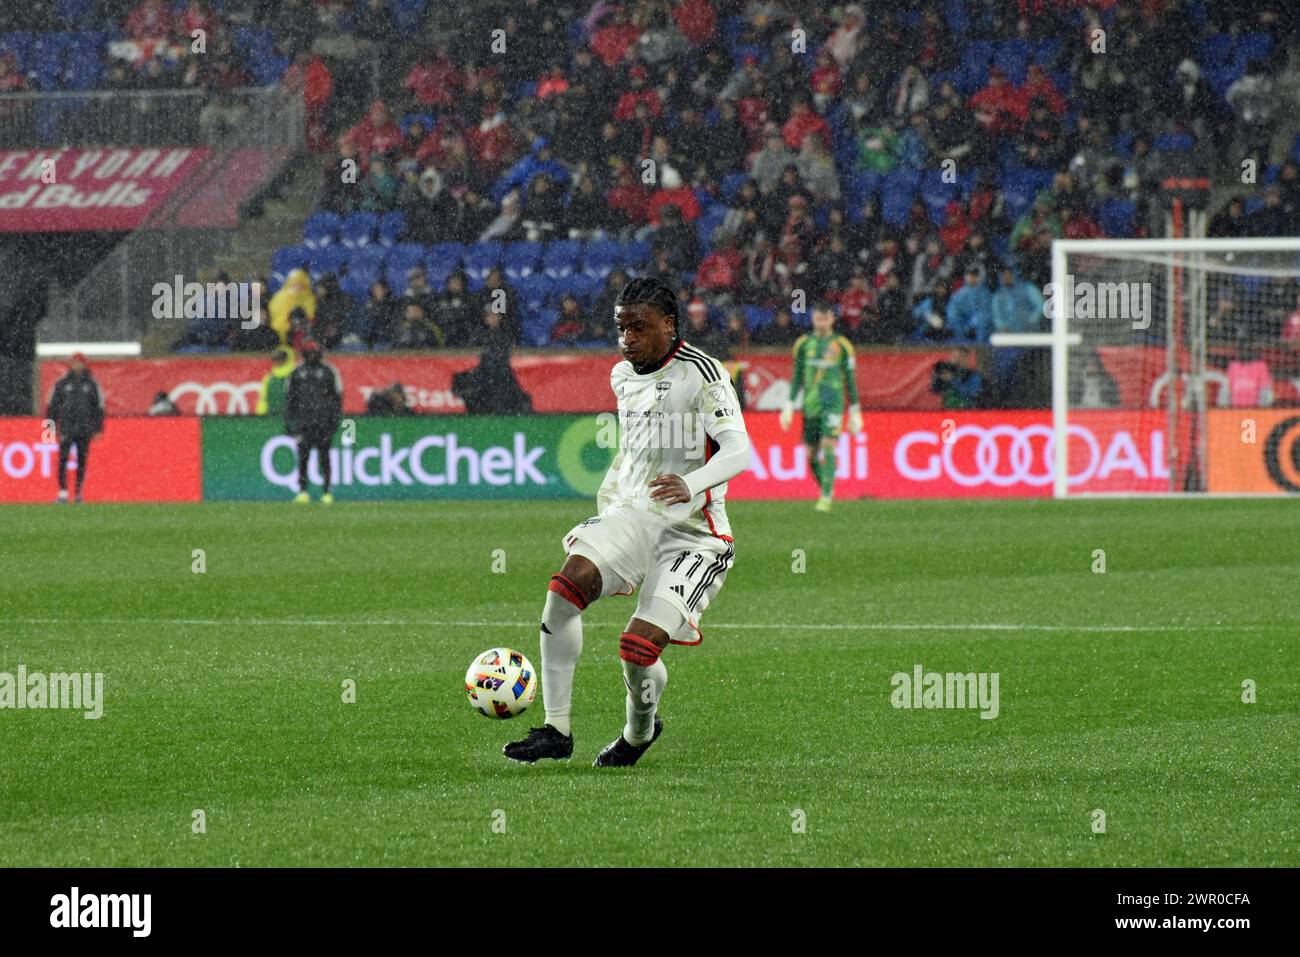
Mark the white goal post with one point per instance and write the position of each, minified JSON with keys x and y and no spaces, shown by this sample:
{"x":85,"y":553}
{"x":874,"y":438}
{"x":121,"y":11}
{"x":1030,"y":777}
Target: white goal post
{"x":1175,"y":343}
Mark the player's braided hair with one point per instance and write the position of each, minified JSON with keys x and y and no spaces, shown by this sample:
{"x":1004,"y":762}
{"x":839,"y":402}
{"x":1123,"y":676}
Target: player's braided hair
{"x":650,"y":291}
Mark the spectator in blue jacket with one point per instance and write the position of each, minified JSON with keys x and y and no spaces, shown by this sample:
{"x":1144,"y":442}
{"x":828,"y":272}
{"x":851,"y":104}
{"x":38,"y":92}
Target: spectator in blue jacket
{"x":970,"y":310}
{"x":538,"y":162}
{"x":1017,"y":306}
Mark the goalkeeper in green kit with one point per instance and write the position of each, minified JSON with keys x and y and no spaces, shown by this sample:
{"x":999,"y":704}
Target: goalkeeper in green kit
{"x":823,"y":369}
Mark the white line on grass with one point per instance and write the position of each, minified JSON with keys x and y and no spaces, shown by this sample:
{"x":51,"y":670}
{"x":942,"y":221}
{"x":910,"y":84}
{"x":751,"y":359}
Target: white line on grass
{"x":717,"y":626}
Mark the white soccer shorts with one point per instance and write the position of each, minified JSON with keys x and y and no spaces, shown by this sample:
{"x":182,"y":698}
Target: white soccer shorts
{"x":667,"y":563}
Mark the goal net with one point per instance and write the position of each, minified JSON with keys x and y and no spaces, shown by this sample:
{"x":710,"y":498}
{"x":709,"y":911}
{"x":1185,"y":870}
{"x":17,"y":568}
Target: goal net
{"x":1176,"y":366}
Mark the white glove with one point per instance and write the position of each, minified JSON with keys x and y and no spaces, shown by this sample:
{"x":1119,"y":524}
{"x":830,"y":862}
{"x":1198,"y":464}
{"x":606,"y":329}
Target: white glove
{"x":855,"y":420}
{"x":787,"y":416}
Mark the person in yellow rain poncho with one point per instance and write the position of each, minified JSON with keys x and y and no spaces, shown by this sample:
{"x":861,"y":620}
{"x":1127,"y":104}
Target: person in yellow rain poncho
{"x":275,"y":385}
{"x":294,"y":294}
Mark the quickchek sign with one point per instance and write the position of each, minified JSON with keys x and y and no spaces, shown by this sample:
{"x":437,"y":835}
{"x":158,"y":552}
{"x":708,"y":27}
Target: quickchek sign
{"x":412,"y":458}
{"x":97,"y":189}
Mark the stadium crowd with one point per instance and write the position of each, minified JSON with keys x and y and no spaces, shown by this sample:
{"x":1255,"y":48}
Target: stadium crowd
{"x":912,"y":166}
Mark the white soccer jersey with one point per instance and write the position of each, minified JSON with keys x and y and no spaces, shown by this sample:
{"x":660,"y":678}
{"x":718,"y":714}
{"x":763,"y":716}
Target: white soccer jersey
{"x":667,"y":420}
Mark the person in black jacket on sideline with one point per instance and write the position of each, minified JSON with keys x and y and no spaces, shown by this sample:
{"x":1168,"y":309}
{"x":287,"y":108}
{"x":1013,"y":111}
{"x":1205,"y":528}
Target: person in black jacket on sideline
{"x":77,"y":410}
{"x":313,"y":408}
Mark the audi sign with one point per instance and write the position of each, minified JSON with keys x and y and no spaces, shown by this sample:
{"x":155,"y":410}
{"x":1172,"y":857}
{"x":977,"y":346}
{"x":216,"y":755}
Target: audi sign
{"x":961,"y":455}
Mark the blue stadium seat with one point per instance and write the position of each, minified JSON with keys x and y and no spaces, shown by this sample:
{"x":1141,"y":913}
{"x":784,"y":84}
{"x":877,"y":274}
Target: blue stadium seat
{"x":522,"y":259}
{"x":731,"y":185}
{"x":1174,"y":143}
{"x":560,"y":258}
{"x":286,"y":259}
{"x":1252,"y":46}
{"x":585,"y":288}
{"x":321,"y":229}
{"x":392,"y":226}
{"x":367,"y":261}
{"x":329,"y":259}
{"x":756,"y":317}
{"x":402,"y":258}
{"x":358,"y":287}
{"x":480,"y":259}
{"x":708,"y":224}
{"x":600,"y":257}
{"x":897,"y":191}
{"x":636,"y":253}
{"x":1117,"y":218}
{"x":358,"y":230}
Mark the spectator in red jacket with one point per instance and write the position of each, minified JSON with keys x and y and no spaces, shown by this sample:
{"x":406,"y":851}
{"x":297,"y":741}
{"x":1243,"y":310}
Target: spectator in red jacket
{"x":802,"y":122}
{"x":1077,"y":224}
{"x":12,"y":79}
{"x":696,"y":20}
{"x":629,"y":198}
{"x":856,"y":300}
{"x":638,"y":93}
{"x":435,"y":83}
{"x":612,"y":41}
{"x":827,"y":80}
{"x":673,"y":192}
{"x":310,"y":75}
{"x":956,"y":229}
{"x":376,"y":133}
{"x":491,"y":143}
{"x":553,"y":82}
{"x":151,"y":20}
{"x":720,"y":270}
{"x":999,"y":107}
{"x":1039,"y":86}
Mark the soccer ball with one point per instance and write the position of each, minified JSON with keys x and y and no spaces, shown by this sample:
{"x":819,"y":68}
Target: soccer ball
{"x":501,"y":683}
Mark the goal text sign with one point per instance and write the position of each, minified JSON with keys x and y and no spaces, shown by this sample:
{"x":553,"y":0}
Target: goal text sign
{"x":134,"y":460}
{"x":1254,"y":450}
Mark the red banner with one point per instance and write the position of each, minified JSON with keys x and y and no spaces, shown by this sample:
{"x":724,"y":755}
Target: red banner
{"x":134,"y":460}
{"x":557,"y":382}
{"x":48,"y":191}
{"x":960,"y":455}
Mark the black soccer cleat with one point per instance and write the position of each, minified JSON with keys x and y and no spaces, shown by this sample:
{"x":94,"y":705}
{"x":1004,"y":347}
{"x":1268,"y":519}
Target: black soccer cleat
{"x":543,"y":742}
{"x":620,"y":754}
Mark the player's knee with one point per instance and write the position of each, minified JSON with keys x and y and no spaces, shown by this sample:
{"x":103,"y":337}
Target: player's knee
{"x":647,"y":631}
{"x":578,"y":582}
{"x":636,"y":647}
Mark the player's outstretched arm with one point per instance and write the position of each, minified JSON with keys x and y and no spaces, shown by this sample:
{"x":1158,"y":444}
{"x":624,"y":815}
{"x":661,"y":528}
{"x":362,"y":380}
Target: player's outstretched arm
{"x":730,"y":460}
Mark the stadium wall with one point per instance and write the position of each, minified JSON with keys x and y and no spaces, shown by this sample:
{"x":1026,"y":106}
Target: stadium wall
{"x":989,"y":454}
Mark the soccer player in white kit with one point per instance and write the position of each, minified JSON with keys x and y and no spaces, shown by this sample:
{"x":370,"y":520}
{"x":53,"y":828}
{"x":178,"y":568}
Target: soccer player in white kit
{"x":661,"y":526}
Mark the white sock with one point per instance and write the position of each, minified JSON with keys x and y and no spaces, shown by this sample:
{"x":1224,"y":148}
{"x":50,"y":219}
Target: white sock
{"x":645,"y":685}
{"x":560,"y":651}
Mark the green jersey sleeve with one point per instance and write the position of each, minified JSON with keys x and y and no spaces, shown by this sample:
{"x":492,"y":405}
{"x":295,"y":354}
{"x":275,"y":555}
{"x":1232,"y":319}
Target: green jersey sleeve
{"x":849,"y":369}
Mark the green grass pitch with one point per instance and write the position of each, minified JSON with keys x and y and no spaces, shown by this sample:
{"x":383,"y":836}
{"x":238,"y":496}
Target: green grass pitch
{"x":1120,"y":692}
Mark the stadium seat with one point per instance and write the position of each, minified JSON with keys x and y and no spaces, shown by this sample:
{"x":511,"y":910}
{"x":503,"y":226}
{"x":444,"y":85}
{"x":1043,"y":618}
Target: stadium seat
{"x":896,"y":194}
{"x":635,"y":253}
{"x":330,"y":259}
{"x":358,"y":230}
{"x":708,"y":224}
{"x":1252,"y":46}
{"x":521,"y":259}
{"x":401,"y":259}
{"x":392,"y":226}
{"x":756,"y":317}
{"x":731,"y":185}
{"x":481,"y":259}
{"x":560,"y":258}
{"x":1117,"y":218}
{"x":600,"y":258}
{"x":1174,"y":143}
{"x":286,"y":259}
{"x":367,"y":261}
{"x":321,"y":229}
